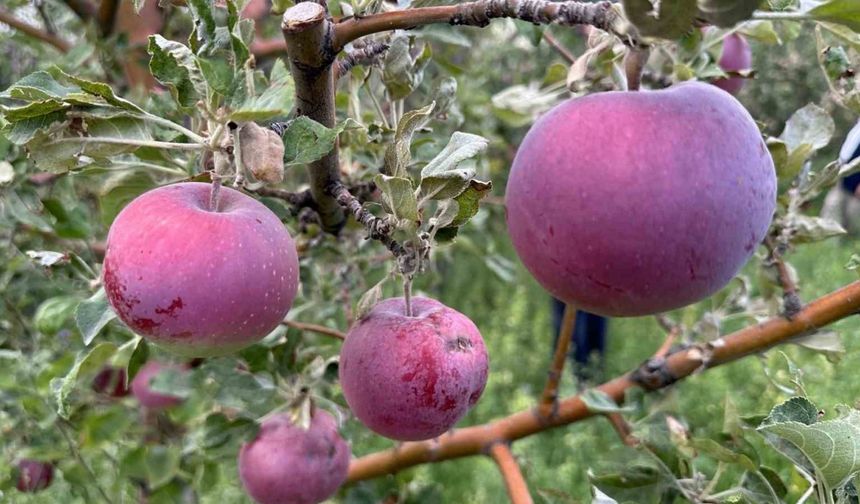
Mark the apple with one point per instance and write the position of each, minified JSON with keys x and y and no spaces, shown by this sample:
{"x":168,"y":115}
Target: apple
{"x":286,"y":464}
{"x":111,"y":381}
{"x":635,"y":203}
{"x":735,"y":57}
{"x":412,"y":377}
{"x":141,"y":386}
{"x":197,"y":281}
{"x":34,"y":475}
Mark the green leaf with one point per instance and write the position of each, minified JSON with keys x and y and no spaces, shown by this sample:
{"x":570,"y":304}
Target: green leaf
{"x":32,"y":109}
{"x":162,"y":464}
{"x":119,"y":189}
{"x":828,"y":343}
{"x":86,"y":362}
{"x":670,"y":21}
{"x":845,"y":12}
{"x":38,"y":86}
{"x":104,"y":91}
{"x":175,"y":66}
{"x":397,"y":154}
{"x":47,"y":258}
{"x":831,"y":446}
{"x":719,"y":452}
{"x":204,"y":22}
{"x":93,"y":314}
{"x":598,"y":401}
{"x":398,"y":197}
{"x":807,"y":229}
{"x":51,"y":316}
{"x":370,"y":298}
{"x":442,"y":177}
{"x":220,"y":432}
{"x":70,"y":223}
{"x":276,"y":100}
{"x":306,"y":140}
{"x":810,"y":125}
{"x":727,"y":13}
{"x":401,"y":73}
{"x":23,"y":131}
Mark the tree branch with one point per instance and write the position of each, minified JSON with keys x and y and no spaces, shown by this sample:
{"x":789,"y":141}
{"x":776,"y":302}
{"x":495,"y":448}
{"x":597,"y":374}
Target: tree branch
{"x":366,"y":55}
{"x":319,"y":329}
{"x":791,"y":302}
{"x":548,"y":404}
{"x":479,"y":13}
{"x":6,"y":17}
{"x":514,"y":481}
{"x":308,"y":34}
{"x":377,"y":227}
{"x":837,"y":305}
{"x":560,"y":49}
{"x":84,"y":9}
{"x":107,"y":15}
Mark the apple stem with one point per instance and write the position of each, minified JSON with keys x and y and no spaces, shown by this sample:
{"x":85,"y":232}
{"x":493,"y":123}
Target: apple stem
{"x":215,"y":192}
{"x":634,"y":64}
{"x":407,"y":294}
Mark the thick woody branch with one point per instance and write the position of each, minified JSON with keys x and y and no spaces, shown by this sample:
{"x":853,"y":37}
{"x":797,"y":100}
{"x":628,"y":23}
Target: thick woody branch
{"x":479,"y":13}
{"x":308,"y":35}
{"x":6,"y":17}
{"x":366,"y":55}
{"x":511,"y":473}
{"x":549,"y":398}
{"x":377,"y":228}
{"x":751,"y":340}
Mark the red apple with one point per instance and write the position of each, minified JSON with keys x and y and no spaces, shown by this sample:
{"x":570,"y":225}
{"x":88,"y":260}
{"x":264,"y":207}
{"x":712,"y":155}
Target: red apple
{"x":196,"y":281}
{"x":634,"y":203}
{"x":111,"y":381}
{"x":141,"y":386}
{"x":412,"y":377}
{"x":735,"y":57}
{"x":286,"y":464}
{"x":34,"y":476}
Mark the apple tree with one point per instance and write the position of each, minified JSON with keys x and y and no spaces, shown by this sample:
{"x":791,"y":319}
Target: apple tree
{"x":227,"y":224}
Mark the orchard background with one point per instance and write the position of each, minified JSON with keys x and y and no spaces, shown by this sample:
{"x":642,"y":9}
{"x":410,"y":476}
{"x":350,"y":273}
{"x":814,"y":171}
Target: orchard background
{"x":695,"y":440}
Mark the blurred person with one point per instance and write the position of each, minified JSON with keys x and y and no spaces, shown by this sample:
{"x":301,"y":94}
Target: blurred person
{"x":842,"y":203}
{"x":588,"y":339}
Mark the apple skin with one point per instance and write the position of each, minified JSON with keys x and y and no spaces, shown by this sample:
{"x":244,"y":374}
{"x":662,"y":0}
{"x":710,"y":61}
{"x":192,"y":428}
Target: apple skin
{"x":412,"y":378}
{"x":736,"y":56}
{"x":197,"y":282}
{"x":635,"y":203}
{"x":111,"y":381}
{"x":34,"y":475}
{"x":142,"y":389}
{"x":286,"y":464}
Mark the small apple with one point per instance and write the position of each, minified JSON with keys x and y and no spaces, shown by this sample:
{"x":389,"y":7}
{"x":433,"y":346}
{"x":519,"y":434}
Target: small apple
{"x":197,"y":281}
{"x":412,"y":377}
{"x":735,"y":57}
{"x":111,"y":381}
{"x":635,"y":203}
{"x":34,"y":475}
{"x":286,"y":464}
{"x":141,"y":386}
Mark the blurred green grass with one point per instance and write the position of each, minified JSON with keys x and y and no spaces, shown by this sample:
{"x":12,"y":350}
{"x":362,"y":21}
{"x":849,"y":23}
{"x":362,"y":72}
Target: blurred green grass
{"x":515,"y":321}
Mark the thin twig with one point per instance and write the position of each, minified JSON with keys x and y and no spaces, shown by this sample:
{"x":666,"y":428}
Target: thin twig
{"x":560,"y":49}
{"x":622,"y":428}
{"x":377,"y":228}
{"x":511,"y":473}
{"x":548,"y":405}
{"x":6,"y":17}
{"x":84,"y":9}
{"x":366,"y":55}
{"x":791,"y":299}
{"x":107,"y":15}
{"x":319,"y":329}
{"x":77,"y":454}
{"x":297,"y":200}
{"x":474,"y":440}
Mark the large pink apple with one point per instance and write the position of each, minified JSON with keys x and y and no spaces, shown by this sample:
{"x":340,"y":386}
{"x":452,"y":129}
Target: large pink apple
{"x":735,"y":57}
{"x":411,"y":378}
{"x":286,"y":464}
{"x":196,"y":281}
{"x":34,"y":475}
{"x":141,"y":386}
{"x":634,"y":203}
